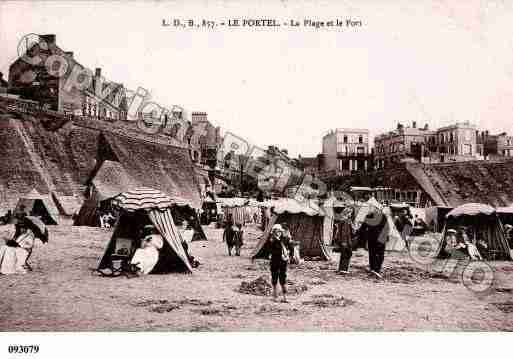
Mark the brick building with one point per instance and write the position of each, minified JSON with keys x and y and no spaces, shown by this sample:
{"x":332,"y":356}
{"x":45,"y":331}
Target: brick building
{"x":404,"y":142}
{"x":452,"y":143}
{"x":209,"y":138}
{"x":455,"y":143}
{"x":345,"y":150}
{"x":53,"y":77}
{"x":495,"y":145}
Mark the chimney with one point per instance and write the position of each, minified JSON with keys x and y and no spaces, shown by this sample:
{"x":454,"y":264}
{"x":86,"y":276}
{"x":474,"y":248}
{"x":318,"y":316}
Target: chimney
{"x":69,"y":53}
{"x":48,"y":38}
{"x":98,"y":81}
{"x":414,"y":124}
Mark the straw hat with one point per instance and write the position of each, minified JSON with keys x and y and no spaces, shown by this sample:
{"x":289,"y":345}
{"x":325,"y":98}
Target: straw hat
{"x":451,"y":231}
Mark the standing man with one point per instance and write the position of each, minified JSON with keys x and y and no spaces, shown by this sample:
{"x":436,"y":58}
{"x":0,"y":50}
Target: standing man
{"x":229,"y":234}
{"x":370,"y":231}
{"x":343,"y":238}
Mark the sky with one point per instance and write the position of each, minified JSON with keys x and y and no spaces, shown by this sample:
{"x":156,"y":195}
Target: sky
{"x":438,"y":62}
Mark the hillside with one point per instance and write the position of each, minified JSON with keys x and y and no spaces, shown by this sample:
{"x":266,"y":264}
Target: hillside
{"x":62,"y":161}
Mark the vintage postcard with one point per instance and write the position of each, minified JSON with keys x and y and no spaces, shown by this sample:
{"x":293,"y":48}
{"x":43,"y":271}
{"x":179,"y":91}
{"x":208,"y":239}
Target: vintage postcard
{"x":270,"y":166}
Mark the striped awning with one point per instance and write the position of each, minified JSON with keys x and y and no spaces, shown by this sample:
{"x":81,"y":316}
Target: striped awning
{"x":146,"y":198}
{"x":471,"y":209}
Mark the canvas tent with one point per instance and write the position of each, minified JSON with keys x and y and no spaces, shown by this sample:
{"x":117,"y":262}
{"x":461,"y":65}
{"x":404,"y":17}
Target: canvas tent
{"x":67,"y":205}
{"x":38,"y":205}
{"x":138,"y":208}
{"x":242,"y":210}
{"x":305,"y":222}
{"x":485,"y":225}
{"x":110,"y":180}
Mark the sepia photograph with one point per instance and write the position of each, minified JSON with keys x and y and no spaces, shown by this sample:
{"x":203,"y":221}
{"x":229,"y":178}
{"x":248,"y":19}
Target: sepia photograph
{"x":264,"y":166}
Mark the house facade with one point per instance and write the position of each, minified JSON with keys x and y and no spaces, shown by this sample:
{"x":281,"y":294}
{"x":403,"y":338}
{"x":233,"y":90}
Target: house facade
{"x":345,"y":150}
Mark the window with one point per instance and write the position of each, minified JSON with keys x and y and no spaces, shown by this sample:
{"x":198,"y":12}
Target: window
{"x":467,"y":149}
{"x":360,"y":139}
{"x":345,"y":139}
{"x":452,"y":137}
{"x":360,"y":150}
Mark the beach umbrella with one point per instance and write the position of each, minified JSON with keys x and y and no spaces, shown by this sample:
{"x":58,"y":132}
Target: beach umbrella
{"x":145,"y":198}
{"x":37,"y":227}
{"x":471,"y":209}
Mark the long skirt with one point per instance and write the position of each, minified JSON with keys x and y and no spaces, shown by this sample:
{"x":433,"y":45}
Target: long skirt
{"x":145,"y":259}
{"x":12,"y":259}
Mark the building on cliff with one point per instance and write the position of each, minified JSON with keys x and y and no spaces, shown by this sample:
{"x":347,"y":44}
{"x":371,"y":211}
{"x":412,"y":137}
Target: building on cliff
{"x":53,"y":77}
{"x":345,"y":150}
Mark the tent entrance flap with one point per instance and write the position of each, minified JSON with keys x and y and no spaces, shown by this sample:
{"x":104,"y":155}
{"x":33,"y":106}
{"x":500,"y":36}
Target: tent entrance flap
{"x":127,"y":238}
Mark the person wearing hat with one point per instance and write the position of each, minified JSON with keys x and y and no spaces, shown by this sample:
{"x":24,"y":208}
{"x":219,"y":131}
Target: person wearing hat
{"x":370,"y":233}
{"x":279,"y":248}
{"x":146,"y":257}
{"x":343,"y":237}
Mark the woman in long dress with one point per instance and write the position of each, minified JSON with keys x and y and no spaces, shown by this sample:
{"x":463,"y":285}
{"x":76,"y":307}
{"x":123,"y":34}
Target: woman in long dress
{"x":14,"y":254}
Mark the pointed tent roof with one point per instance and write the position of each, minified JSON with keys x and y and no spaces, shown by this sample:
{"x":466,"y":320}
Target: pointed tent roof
{"x":111,"y":180}
{"x":163,"y":167}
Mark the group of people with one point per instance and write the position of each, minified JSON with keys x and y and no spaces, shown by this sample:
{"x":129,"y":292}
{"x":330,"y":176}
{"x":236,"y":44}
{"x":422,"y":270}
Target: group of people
{"x":349,"y":236}
{"x":458,"y":244}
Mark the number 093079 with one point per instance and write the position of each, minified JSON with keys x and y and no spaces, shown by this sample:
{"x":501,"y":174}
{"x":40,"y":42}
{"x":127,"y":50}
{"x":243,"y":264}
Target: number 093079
{"x":23,"y":349}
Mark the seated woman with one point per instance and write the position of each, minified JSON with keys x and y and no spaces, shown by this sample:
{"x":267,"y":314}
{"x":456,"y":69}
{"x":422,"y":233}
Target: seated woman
{"x":15,"y":252}
{"x":146,"y":257}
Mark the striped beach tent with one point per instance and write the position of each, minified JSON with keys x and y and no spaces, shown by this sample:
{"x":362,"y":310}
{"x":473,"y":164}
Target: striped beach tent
{"x":138,"y":208}
{"x":145,"y":198}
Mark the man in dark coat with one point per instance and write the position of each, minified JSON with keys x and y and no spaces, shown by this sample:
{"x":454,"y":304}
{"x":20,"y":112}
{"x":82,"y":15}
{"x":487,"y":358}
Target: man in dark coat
{"x":343,"y":238}
{"x":370,"y":232}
